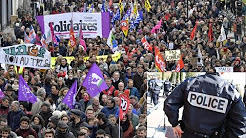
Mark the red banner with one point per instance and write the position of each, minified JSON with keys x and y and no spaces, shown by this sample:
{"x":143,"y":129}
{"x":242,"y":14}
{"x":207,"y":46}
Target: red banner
{"x":146,"y":44}
{"x":159,"y":60}
{"x":72,"y":40}
{"x":193,"y":33}
{"x":124,"y":105}
{"x":125,"y":27}
{"x":180,"y":65}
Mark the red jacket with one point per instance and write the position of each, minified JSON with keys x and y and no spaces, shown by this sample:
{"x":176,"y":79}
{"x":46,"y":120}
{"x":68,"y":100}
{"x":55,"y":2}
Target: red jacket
{"x":26,"y":132}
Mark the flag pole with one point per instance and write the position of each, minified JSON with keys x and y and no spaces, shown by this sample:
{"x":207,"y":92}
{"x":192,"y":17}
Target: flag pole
{"x":119,"y":125}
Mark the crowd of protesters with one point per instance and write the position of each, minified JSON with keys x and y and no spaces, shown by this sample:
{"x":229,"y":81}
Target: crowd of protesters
{"x":92,"y":117}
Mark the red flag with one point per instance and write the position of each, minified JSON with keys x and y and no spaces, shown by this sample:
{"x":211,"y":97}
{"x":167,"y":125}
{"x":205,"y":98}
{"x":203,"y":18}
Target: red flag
{"x":193,"y":33}
{"x":180,"y":65}
{"x":210,"y":33}
{"x":82,"y":41}
{"x":72,"y":40}
{"x":130,"y":54}
{"x":124,"y":27}
{"x":146,"y":44}
{"x":124,"y":105}
{"x":159,"y":60}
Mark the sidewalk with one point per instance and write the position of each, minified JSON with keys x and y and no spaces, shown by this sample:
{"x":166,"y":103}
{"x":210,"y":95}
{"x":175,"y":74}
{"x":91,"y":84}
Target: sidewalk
{"x":156,"y":119}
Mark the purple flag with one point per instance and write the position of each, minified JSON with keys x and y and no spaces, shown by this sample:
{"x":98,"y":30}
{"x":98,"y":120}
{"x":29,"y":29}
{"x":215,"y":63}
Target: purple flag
{"x":1,"y":94}
{"x":69,"y":99}
{"x":25,"y":93}
{"x":94,"y":81}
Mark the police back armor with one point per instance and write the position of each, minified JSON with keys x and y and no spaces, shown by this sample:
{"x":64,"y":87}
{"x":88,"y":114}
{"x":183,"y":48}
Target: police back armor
{"x":210,"y":104}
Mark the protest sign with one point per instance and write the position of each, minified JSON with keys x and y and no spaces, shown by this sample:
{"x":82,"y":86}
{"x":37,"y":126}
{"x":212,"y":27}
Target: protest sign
{"x":93,"y":24}
{"x":26,"y":55}
{"x":172,"y":55}
{"x":224,"y":69}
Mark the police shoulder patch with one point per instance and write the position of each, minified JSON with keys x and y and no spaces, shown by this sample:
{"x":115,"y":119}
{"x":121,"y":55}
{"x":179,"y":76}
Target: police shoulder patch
{"x":209,"y":102}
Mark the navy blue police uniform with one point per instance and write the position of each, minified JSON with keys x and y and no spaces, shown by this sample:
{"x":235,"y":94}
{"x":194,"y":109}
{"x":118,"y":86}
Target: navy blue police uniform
{"x":155,"y":86}
{"x":212,"y":108}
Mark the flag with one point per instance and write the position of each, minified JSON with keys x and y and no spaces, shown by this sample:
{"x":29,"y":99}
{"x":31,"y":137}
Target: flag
{"x":124,"y":27}
{"x":210,"y":33}
{"x":116,"y":16}
{"x":26,"y":38}
{"x":32,"y":35}
{"x":130,"y":54}
{"x":111,"y":42}
{"x":53,"y":34}
{"x":222,"y":36}
{"x":199,"y":54}
{"x":146,"y":44}
{"x":72,"y":40}
{"x":81,"y":41}
{"x":103,"y":6}
{"x":38,"y":42}
{"x":121,"y":7}
{"x":147,"y":5}
{"x":85,"y":7}
{"x":124,"y":105}
{"x":135,"y":8}
{"x":159,"y":60}
{"x":43,"y":41}
{"x":48,"y":38}
{"x":94,"y":81}
{"x":157,"y":27}
{"x":69,"y":99}
{"x":110,"y":3}
{"x":24,"y":92}
{"x":1,"y":94}
{"x":127,"y":15}
{"x":91,"y":8}
{"x":193,"y":33}
{"x":180,"y":65}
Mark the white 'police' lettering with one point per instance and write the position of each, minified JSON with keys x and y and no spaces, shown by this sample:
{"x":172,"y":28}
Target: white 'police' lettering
{"x":209,"y":102}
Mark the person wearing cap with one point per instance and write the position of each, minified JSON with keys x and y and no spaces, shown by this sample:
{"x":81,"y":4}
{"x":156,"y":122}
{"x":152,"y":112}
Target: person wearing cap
{"x":25,"y":128}
{"x":53,"y":121}
{"x":41,"y":93}
{"x":62,"y":131}
{"x":76,"y":121}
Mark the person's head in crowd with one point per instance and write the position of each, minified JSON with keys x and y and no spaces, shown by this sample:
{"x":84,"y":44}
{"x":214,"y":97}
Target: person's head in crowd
{"x":142,"y":119}
{"x":53,"y":121}
{"x":111,"y":103}
{"x":63,"y":91}
{"x":100,"y":133}
{"x":5,"y":102}
{"x":129,"y":112}
{"x":140,"y":69}
{"x":104,"y":99}
{"x":54,"y":90}
{"x":133,"y":100}
{"x":90,"y":113}
{"x":129,"y":70}
{"x":49,"y":133}
{"x":83,"y":132}
{"x":75,"y":115}
{"x":9,"y":90}
{"x":130,"y":83}
{"x":37,"y":120}
{"x":41,"y":92}
{"x":107,"y":136}
{"x":142,"y":132}
{"x":65,"y":118}
{"x":15,"y":106}
{"x":62,"y":127}
{"x":117,"y":101}
{"x":95,"y":103}
{"x":108,"y":81}
{"x":26,"y":78}
{"x":5,"y":132}
{"x":116,"y":76}
{"x":101,"y":117}
{"x":121,"y":87}
{"x":3,"y":122}
{"x":2,"y":80}
{"x":86,"y":96}
{"x":45,"y":106}
{"x":91,"y":121}
{"x":112,"y":119}
{"x":60,"y":81}
{"x":11,"y":68}
{"x":24,"y":122}
{"x":63,"y":62}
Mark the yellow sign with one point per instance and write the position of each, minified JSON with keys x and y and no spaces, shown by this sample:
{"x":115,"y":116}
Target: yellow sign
{"x":172,"y":55}
{"x":115,"y":57}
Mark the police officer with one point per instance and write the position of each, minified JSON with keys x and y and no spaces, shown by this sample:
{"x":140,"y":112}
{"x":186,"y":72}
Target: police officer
{"x":212,"y":108}
{"x":167,"y":87}
{"x":155,"y":87}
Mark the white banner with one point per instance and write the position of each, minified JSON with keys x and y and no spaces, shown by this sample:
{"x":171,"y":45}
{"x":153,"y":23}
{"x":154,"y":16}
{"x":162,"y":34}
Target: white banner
{"x":26,"y":55}
{"x":224,"y":69}
{"x":172,"y":55}
{"x":91,"y":24}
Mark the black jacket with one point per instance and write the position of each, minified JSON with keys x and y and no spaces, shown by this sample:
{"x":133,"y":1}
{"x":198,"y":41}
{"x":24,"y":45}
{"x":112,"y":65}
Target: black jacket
{"x":209,"y":103}
{"x":110,"y":129}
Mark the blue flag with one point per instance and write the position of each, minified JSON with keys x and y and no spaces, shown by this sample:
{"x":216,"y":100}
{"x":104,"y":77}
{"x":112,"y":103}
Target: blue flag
{"x":69,"y":99}
{"x":24,"y":92}
{"x":103,"y":6}
{"x":94,"y":81}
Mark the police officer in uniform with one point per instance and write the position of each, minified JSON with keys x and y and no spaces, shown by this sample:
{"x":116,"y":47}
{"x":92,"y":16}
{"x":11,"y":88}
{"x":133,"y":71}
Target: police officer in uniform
{"x":155,"y":87}
{"x":213,"y":108}
{"x":167,"y":87}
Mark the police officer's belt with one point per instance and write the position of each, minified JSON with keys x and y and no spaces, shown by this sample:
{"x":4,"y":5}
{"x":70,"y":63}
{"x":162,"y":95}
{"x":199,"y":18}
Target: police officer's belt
{"x":198,"y":134}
